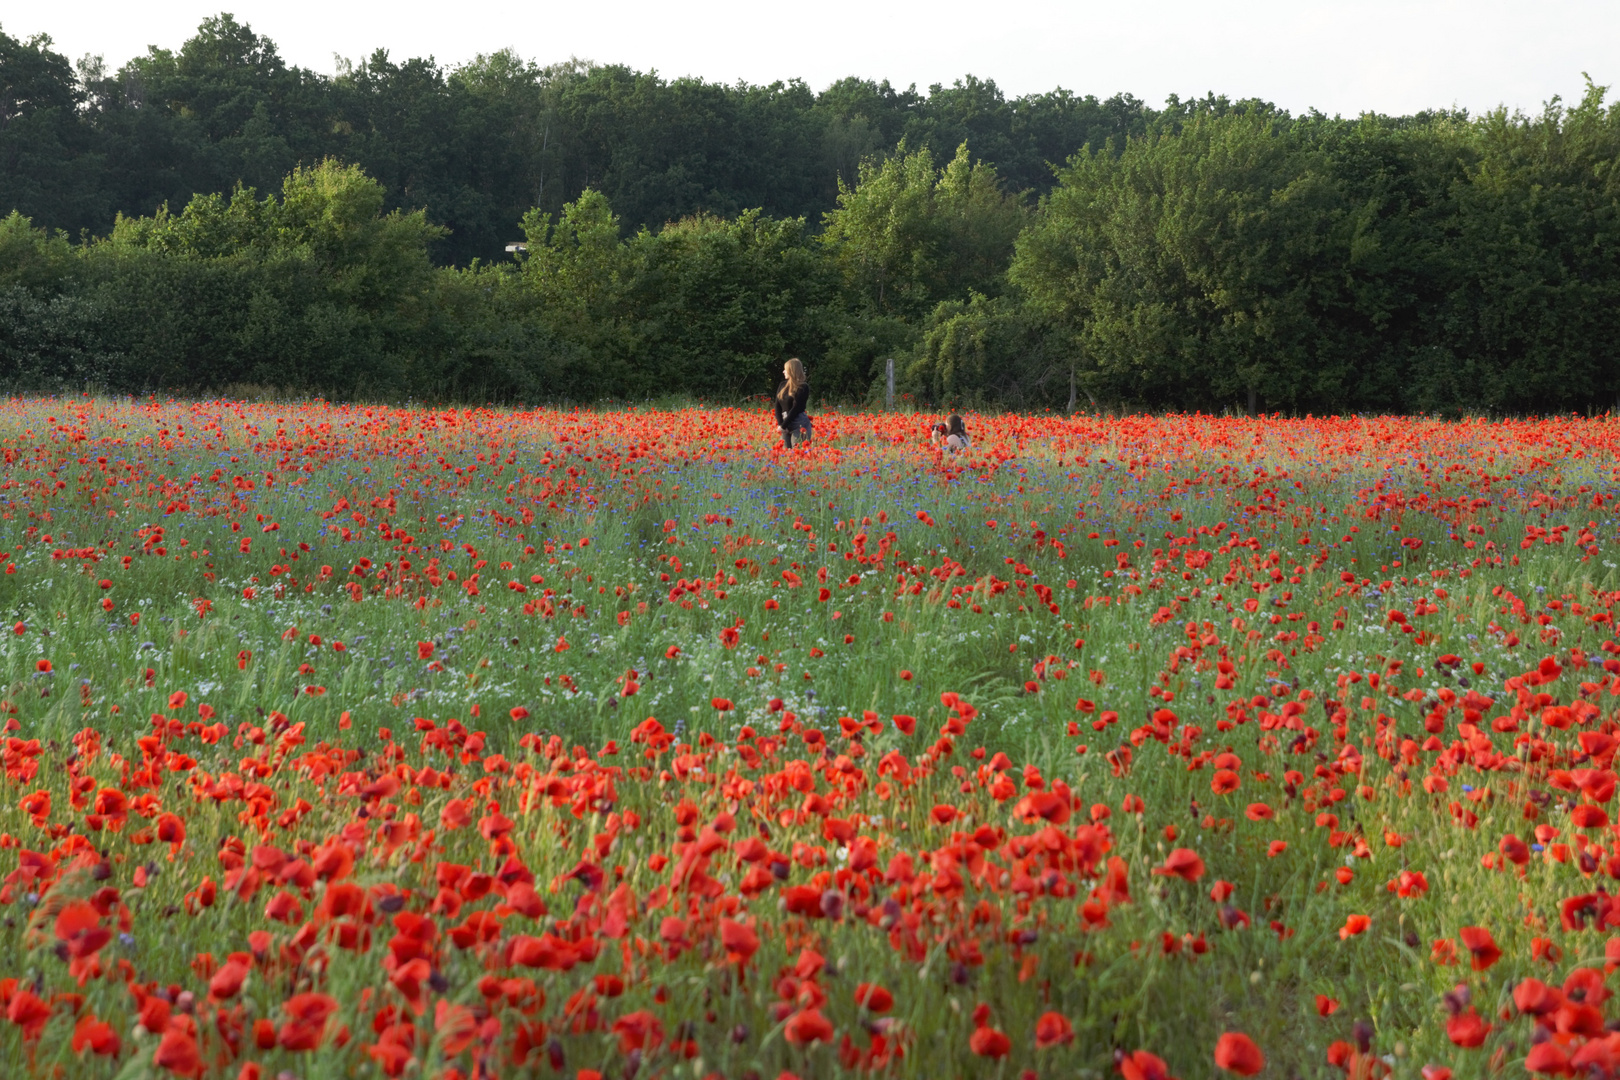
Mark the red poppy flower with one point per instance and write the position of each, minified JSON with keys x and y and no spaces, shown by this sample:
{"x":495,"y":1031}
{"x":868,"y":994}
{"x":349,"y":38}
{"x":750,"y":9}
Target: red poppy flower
{"x":1053,"y":1029}
{"x":640,"y":1030}
{"x":1547,"y":1057}
{"x":177,"y":1052}
{"x":1141,"y":1065}
{"x":1536,"y":998}
{"x":171,"y":829}
{"x":97,"y":1036}
{"x":807,"y":1026}
{"x":29,"y":1012}
{"x":1236,"y":1052}
{"x":989,"y":1042}
{"x":307,"y":1027}
{"x":227,"y":981}
{"x":1183,"y":863}
{"x":739,"y":941}
{"x":78,"y":926}
{"x":1478,"y":941}
{"x":1516,"y":851}
{"x":873,"y":998}
{"x":1043,"y":806}
{"x":1467,"y":1030}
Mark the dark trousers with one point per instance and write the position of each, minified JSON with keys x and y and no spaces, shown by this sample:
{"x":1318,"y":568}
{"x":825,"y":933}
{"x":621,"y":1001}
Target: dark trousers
{"x":799,"y":427}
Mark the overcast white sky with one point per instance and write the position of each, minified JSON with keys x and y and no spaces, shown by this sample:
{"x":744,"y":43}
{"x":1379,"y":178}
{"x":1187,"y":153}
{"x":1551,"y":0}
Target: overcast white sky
{"x":1393,"y":56}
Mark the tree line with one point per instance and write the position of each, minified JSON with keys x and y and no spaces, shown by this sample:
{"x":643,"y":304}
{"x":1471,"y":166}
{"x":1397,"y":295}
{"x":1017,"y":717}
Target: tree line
{"x":212,"y":217}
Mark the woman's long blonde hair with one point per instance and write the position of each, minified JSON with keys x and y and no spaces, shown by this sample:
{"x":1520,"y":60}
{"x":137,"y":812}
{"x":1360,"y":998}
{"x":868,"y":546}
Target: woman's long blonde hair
{"x":796,"y":378}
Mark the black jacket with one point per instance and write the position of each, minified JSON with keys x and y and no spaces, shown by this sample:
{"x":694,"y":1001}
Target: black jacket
{"x":790,"y":407}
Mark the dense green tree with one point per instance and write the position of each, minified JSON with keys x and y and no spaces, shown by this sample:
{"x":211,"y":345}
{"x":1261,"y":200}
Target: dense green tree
{"x":1531,"y":316}
{"x":907,"y":235}
{"x":36,"y":259}
{"x":482,"y":338}
{"x":332,"y":215}
{"x":579,"y":268}
{"x":1202,"y":268}
{"x":47,"y":170}
{"x":704,"y":305}
{"x":1239,"y":256}
{"x":662,"y":151}
{"x":467,"y":144}
{"x":51,"y":334}
{"x":317,"y":288}
{"x":223,"y":109}
{"x":720,"y":304}
{"x":986,"y":351}
{"x":686,"y":236}
{"x":479,"y":143}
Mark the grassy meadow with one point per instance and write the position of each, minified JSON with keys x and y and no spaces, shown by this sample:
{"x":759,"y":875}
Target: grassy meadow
{"x":347,"y":741}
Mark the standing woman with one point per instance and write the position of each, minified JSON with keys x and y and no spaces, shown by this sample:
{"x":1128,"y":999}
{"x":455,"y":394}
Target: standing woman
{"x":791,"y":398}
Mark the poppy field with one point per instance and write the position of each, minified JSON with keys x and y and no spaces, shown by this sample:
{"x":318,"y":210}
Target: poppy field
{"x":348,"y":741}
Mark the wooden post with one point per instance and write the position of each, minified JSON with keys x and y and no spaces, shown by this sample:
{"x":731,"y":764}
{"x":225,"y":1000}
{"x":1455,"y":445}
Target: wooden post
{"x":888,"y":398}
{"x":1071,"y":391}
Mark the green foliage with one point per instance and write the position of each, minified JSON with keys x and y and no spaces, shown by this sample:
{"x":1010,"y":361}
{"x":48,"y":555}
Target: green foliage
{"x":908,"y":235}
{"x":49,"y":168}
{"x":885,"y":235}
{"x":1199,"y":266}
{"x":1212,"y":254}
{"x":581,"y":273}
{"x":317,"y":290}
{"x":482,"y":339}
{"x":33,"y":258}
{"x":479,"y":143}
{"x":1240,"y":258}
{"x":331,"y":216}
{"x":51,"y":343}
{"x":1533,"y":297}
{"x":989,"y":349}
{"x":51,"y":337}
{"x":704,"y":305}
{"x":721,"y":303}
